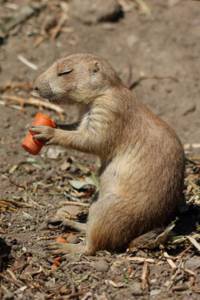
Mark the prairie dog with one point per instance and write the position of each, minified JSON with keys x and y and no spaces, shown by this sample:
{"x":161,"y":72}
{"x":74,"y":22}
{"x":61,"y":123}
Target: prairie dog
{"x":142,"y":172}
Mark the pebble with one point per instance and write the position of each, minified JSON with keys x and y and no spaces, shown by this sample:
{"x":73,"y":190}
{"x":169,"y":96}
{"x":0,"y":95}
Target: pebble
{"x":155,"y":292}
{"x":101,"y":266}
{"x":193,"y":263}
{"x":95,"y":11}
{"x":136,"y":289}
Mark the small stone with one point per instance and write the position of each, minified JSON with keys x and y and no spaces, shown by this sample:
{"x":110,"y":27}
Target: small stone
{"x":101,"y":266}
{"x":90,"y":12}
{"x":54,"y":152}
{"x":155,"y":292}
{"x":26,"y":216}
{"x":136,"y":289}
{"x":193,"y":263}
{"x":65,"y":166}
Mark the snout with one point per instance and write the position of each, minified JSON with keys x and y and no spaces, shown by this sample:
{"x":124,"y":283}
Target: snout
{"x":42,"y":88}
{"x":35,"y":91}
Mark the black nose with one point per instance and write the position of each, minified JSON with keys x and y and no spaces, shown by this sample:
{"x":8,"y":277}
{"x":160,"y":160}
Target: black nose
{"x":36,"y":88}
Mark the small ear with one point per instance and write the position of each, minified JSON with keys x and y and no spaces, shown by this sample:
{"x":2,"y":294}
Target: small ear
{"x":63,"y":68}
{"x":96,"y":67}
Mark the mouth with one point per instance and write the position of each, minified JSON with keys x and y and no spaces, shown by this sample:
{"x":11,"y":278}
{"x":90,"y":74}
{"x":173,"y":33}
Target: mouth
{"x":52,"y":98}
{"x":35,"y":94}
{"x":48,"y":98}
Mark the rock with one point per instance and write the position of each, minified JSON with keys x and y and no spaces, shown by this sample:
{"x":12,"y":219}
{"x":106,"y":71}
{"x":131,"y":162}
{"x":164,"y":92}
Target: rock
{"x":55,"y":152}
{"x":26,"y":216}
{"x":101,"y":265}
{"x":193,"y":263}
{"x":136,"y":289}
{"x":155,"y":292}
{"x":90,"y":12}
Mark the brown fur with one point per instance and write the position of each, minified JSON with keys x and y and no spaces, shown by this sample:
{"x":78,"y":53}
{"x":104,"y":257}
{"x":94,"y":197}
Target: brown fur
{"x":142,"y":159}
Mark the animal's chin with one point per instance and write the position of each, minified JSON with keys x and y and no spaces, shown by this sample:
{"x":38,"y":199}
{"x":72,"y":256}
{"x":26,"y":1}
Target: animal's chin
{"x":46,"y":96}
{"x":50,"y":97}
{"x":61,"y":99}
{"x":56,"y":99}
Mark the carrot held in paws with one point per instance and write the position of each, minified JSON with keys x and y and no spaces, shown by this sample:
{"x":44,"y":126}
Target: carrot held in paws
{"x":32,"y":145}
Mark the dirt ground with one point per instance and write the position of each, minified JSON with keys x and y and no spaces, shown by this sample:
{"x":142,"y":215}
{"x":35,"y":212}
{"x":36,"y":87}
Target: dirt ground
{"x":154,"y":46}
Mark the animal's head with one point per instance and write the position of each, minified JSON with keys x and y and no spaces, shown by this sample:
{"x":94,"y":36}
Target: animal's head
{"x":76,"y":78}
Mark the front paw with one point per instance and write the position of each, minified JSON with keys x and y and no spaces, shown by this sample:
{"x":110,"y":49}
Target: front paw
{"x":44,"y":133}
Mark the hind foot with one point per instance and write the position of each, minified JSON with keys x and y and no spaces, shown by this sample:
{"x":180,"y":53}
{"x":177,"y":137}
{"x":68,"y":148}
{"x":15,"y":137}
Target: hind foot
{"x":65,"y":248}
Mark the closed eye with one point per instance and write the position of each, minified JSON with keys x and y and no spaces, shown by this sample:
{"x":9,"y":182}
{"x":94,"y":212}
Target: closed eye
{"x":63,"y":68}
{"x":63,"y":72}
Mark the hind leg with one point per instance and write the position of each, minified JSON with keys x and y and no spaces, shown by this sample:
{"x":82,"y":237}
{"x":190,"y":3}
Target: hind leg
{"x":107,"y":229}
{"x":66,"y":248}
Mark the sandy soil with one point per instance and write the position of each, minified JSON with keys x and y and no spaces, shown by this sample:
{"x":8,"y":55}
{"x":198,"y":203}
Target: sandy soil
{"x":156,"y":52}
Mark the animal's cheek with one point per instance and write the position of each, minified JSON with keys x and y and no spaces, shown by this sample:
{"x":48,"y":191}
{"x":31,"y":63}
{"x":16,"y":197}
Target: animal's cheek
{"x":97,"y":82}
{"x":56,"y":86}
{"x":43,"y":88}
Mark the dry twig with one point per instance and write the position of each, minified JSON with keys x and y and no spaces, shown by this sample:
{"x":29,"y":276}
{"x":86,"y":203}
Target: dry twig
{"x":140,"y":259}
{"x":10,"y":85}
{"x":169,"y":261}
{"x":144,"y":277}
{"x":74,"y":204}
{"x":194,"y":242}
{"x":27,"y":62}
{"x":35,"y":102}
{"x":7,"y":203}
